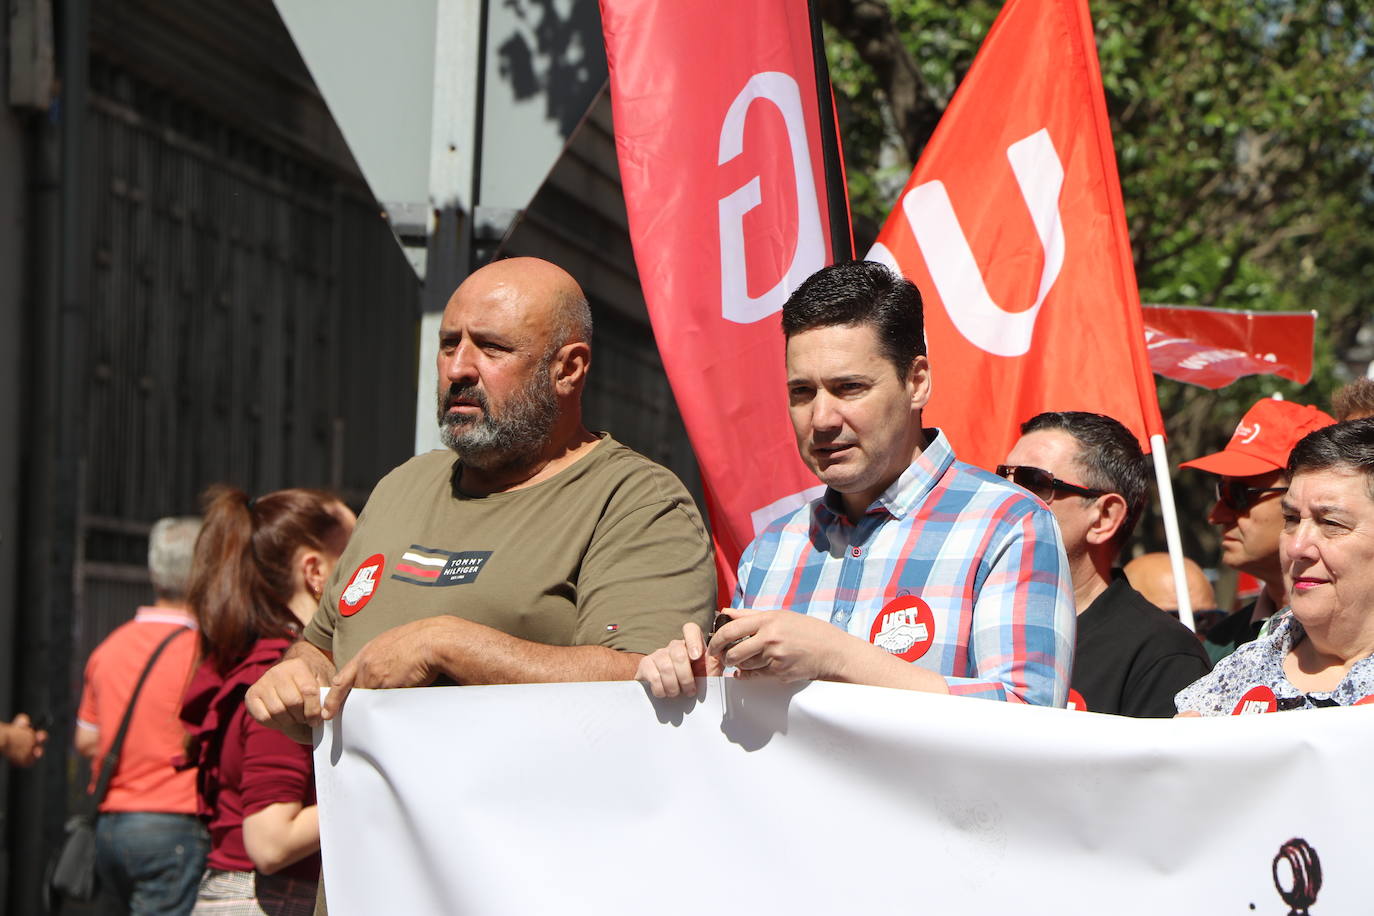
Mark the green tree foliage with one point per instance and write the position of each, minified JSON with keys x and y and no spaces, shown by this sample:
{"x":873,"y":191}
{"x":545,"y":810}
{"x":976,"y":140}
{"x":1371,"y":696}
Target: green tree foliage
{"x":1244,"y":134}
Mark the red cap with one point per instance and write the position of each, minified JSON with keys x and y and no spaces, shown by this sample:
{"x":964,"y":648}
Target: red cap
{"x":1262,"y":441}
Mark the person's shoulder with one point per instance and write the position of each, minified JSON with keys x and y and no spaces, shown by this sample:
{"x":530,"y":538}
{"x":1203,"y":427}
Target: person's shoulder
{"x":135,"y":640}
{"x":124,"y":638}
{"x":423,"y":472}
{"x":434,"y":463}
{"x":1232,"y":628}
{"x":1137,"y":613}
{"x":1216,"y":693}
{"x":991,"y":489}
{"x":993,"y":497}
{"x":1258,"y":653}
{"x":617,"y":467}
{"x":798,"y":519}
{"x":97,"y":662}
{"x":785,"y":534}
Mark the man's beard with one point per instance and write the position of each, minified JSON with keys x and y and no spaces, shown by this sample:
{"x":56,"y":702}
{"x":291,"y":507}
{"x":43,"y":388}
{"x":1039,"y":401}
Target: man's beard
{"x":495,"y":440}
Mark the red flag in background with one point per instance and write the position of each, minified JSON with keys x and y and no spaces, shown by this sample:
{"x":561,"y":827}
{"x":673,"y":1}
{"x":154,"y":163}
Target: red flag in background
{"x":1013,"y":228}
{"x":724,"y":163}
{"x":1214,"y":347}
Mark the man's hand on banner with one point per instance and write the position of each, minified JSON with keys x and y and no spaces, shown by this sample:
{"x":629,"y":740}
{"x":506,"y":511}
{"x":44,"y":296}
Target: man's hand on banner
{"x":672,"y":671}
{"x":794,"y":647}
{"x":781,"y":644}
{"x":404,"y":656}
{"x":287,"y":697}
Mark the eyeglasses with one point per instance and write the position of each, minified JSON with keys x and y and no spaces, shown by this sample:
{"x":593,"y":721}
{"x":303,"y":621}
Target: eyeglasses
{"x":1237,"y":497}
{"x":1042,"y":483}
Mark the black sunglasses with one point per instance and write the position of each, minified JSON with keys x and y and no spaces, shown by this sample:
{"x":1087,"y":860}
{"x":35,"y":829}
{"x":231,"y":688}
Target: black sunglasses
{"x":1042,"y":483}
{"x":1237,"y":497}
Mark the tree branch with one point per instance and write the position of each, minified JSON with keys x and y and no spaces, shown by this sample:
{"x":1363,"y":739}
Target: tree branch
{"x":868,"y":26}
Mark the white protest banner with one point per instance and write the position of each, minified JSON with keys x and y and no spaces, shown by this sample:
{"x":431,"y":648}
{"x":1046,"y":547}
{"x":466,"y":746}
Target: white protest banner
{"x":831,"y":798}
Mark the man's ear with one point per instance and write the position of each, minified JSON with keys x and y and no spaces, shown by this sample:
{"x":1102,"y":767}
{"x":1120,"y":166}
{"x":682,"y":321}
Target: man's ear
{"x":1111,"y":515}
{"x":570,"y":366}
{"x":918,"y":382}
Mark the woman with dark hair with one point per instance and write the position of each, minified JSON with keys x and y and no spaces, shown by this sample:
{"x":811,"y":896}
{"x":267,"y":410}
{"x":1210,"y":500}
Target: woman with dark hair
{"x":260,"y":567}
{"x":1319,"y":652}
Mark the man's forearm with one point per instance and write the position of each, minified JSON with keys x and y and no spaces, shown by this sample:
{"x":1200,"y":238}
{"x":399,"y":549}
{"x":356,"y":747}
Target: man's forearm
{"x":308,"y":652}
{"x":864,"y":663}
{"x":474,"y":654}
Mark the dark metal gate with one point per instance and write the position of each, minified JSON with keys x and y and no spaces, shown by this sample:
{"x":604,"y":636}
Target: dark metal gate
{"x":248,"y":310}
{"x":245,"y":316}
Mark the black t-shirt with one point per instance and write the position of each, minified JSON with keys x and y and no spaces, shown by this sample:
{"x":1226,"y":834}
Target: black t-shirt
{"x":1132,"y":657}
{"x":1232,"y":632}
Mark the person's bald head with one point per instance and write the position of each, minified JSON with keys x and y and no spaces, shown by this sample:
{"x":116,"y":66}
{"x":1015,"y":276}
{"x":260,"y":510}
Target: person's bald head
{"x":546,"y":298}
{"x":1153,"y":576}
{"x":514,"y":350}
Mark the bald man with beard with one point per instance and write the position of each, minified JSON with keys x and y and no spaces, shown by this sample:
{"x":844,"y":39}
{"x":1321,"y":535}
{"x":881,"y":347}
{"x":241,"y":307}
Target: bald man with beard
{"x":530,"y":550}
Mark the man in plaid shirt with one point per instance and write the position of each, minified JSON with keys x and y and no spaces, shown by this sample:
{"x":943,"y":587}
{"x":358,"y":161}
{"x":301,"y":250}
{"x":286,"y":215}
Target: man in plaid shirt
{"x":913,"y":570}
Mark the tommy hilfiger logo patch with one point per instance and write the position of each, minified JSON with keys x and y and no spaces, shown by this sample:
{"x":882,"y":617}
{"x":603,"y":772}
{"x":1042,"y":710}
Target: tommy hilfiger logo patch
{"x":428,"y":566}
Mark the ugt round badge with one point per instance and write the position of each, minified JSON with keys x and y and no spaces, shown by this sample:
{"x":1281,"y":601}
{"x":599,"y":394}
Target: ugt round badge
{"x":1076,"y":701}
{"x":905,"y":627}
{"x":363,"y":584}
{"x":1257,"y":699}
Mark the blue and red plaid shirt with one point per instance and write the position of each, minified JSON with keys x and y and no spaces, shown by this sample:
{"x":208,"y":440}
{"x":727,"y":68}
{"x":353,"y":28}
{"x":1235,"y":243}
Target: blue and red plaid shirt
{"x":951,"y":568}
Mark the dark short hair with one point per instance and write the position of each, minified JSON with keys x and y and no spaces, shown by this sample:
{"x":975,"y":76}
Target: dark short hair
{"x":1348,"y":445}
{"x":1109,"y":455}
{"x":861,"y":293}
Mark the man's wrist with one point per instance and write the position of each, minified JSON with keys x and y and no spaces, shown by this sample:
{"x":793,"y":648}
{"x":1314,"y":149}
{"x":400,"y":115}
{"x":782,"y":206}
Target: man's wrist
{"x":839,"y":663}
{"x":446,"y":645}
{"x":301,"y":648}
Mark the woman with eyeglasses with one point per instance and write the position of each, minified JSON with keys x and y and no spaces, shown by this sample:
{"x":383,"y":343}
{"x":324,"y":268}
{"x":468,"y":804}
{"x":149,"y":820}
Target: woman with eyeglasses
{"x":260,"y":567}
{"x":1319,"y":652}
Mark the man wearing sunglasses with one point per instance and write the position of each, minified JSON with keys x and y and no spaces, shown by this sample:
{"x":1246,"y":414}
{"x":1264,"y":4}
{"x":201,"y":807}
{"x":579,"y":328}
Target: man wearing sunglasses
{"x":1250,"y":478}
{"x":913,"y":570}
{"x":1131,"y":657}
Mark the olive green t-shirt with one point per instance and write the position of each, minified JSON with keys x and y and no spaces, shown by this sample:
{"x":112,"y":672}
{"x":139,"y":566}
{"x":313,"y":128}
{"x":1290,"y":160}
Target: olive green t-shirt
{"x":608,"y":552}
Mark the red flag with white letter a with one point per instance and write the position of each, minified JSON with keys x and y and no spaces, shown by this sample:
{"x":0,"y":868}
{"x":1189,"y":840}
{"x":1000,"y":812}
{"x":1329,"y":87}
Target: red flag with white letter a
{"x":1013,"y":228}
{"x":724,"y":160}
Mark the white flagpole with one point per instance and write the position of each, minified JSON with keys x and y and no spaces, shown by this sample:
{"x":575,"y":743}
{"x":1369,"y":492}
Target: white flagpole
{"x":1171,"y":535}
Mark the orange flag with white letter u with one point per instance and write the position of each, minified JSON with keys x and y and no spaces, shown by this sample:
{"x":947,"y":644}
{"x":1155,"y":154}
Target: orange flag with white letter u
{"x":1012,"y":226}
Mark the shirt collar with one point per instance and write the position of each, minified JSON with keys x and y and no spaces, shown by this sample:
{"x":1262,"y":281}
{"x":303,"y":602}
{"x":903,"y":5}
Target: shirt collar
{"x":1264,"y":606}
{"x":166,"y":615}
{"x":907,"y":491}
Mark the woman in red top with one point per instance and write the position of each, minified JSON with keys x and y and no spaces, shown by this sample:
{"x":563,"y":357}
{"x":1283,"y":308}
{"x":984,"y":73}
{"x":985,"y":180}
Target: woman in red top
{"x":260,"y":567}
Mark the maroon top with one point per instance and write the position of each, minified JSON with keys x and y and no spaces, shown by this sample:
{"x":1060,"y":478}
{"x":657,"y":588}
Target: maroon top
{"x":244,"y":766}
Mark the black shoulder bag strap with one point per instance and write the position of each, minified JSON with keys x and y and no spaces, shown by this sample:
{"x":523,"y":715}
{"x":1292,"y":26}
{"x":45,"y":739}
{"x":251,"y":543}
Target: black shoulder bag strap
{"x":107,"y":766}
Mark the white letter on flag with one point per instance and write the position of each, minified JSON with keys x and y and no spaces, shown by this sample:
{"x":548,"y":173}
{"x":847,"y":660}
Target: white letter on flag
{"x":736,"y":303}
{"x":985,"y":324}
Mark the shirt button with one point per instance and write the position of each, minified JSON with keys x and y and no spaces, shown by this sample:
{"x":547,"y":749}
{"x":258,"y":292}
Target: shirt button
{"x":857,"y":551}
